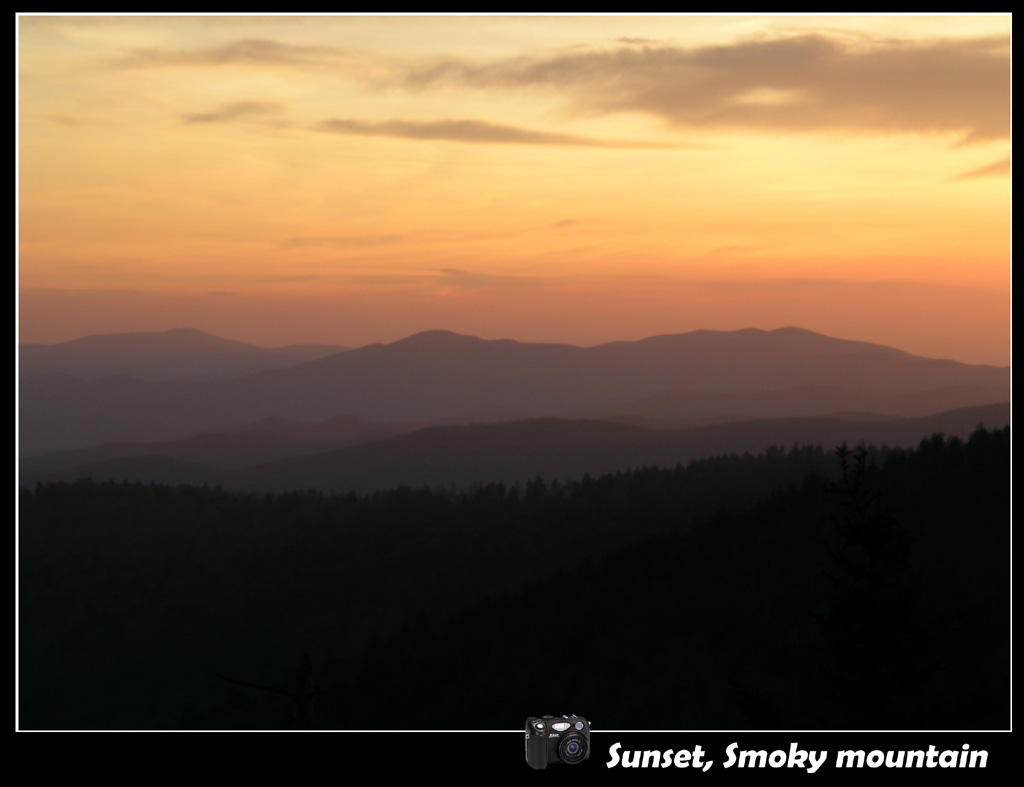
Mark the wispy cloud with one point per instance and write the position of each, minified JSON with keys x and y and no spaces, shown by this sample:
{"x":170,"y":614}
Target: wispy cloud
{"x":351,"y":241}
{"x":429,"y":236}
{"x":475,"y":131}
{"x":248,"y":51}
{"x":823,"y":287}
{"x":785,"y":82}
{"x":294,"y":277}
{"x":88,"y":291}
{"x":237,"y":110}
{"x":806,"y":82}
{"x":221,"y":293}
{"x":637,"y":40}
{"x":454,"y":279}
{"x":999,"y":169}
{"x":451,"y":279}
{"x":70,"y":121}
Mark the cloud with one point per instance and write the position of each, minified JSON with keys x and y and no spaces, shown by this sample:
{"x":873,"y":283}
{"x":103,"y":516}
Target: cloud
{"x":235,"y":111}
{"x":67,"y":120}
{"x":341,"y":240}
{"x":999,"y":169}
{"x":455,"y":277}
{"x":88,"y":291}
{"x":459,"y":279}
{"x":221,"y":293}
{"x":637,"y":40}
{"x":294,"y":277}
{"x":474,"y":131}
{"x":792,"y":83}
{"x":429,"y":236}
{"x":811,"y":287}
{"x":248,"y":51}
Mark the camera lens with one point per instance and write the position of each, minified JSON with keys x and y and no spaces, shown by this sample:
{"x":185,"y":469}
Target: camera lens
{"x":572,"y":748}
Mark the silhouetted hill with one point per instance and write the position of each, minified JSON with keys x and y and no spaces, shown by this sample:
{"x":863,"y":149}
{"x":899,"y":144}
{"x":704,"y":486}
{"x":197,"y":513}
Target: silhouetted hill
{"x":740,"y":592}
{"x":509,"y":452}
{"x":337,"y":430}
{"x":179,"y":354}
{"x":263,"y":441}
{"x":442,"y":376}
{"x":689,"y":408}
{"x":144,"y":592}
{"x":301,"y":353}
{"x":771,"y":618}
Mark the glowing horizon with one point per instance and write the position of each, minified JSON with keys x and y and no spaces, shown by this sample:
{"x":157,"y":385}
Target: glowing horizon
{"x":583,"y":179}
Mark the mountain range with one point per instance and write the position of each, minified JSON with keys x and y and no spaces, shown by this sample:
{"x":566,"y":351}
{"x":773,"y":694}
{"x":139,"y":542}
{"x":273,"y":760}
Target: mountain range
{"x":512,"y":452}
{"x":438,"y":377}
{"x":182,"y":353}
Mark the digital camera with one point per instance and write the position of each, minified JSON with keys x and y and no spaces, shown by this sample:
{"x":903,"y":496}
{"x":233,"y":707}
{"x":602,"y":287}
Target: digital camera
{"x":556,"y":739}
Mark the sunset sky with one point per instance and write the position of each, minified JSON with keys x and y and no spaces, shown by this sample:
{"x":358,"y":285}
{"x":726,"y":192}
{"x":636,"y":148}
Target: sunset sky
{"x":565,"y":178}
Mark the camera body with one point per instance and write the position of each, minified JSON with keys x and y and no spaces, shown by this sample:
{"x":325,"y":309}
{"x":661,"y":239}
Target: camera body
{"x":556,"y":739}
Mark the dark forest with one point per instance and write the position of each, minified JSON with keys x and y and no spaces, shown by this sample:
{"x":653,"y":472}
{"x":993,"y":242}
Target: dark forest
{"x":802,"y":588}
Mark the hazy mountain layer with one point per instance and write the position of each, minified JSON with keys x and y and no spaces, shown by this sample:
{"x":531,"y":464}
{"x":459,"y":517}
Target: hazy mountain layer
{"x":460,"y":456}
{"x":264,"y":441}
{"x":443,"y":376}
{"x":181,"y":354}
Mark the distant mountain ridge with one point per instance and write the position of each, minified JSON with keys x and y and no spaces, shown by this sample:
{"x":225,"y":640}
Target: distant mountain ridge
{"x":509,"y":452}
{"x":181,"y":353}
{"x":442,"y":376}
{"x":263,"y":441}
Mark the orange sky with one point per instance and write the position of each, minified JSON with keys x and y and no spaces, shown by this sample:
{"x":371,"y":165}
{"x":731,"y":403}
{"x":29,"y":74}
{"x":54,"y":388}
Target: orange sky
{"x":576,"y":179}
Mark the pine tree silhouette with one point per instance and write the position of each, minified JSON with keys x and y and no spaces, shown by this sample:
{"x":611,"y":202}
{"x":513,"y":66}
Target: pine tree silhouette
{"x":877,"y":638}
